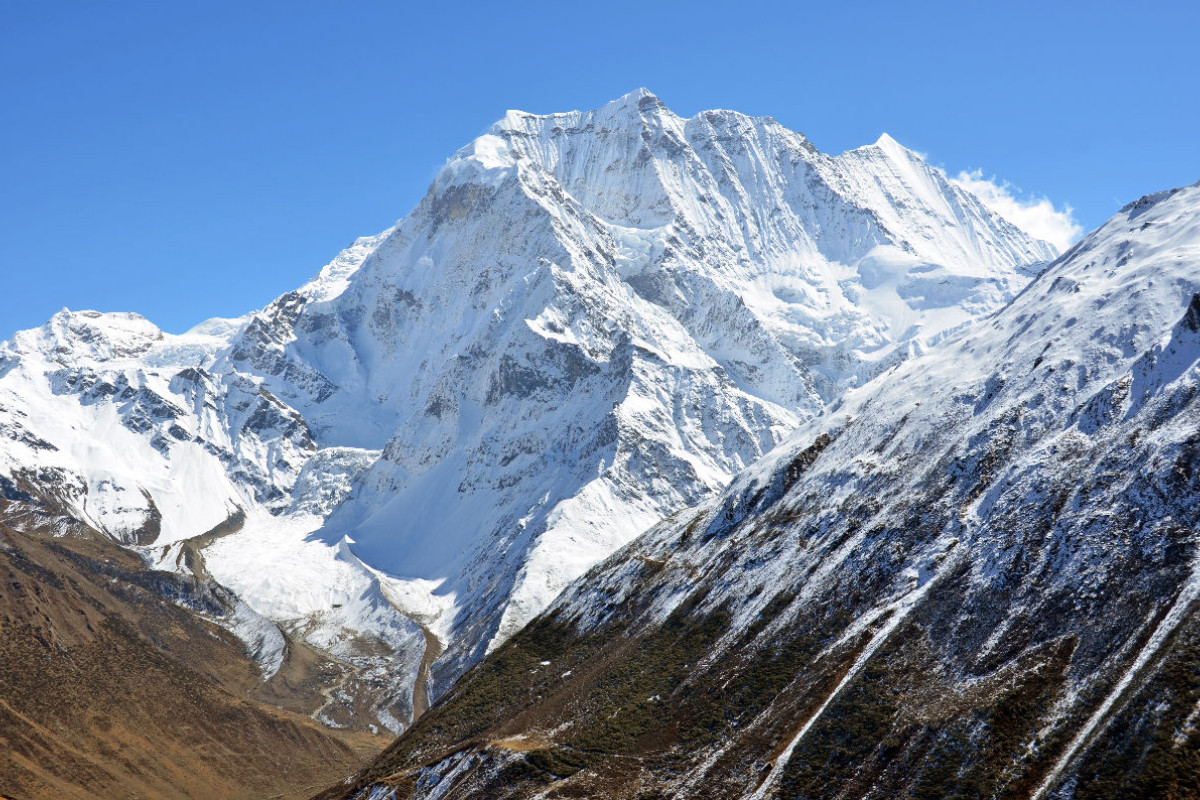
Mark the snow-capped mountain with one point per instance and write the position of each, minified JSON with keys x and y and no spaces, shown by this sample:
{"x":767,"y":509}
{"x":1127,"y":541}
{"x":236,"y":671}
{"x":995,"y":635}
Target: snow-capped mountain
{"x":591,"y":321}
{"x":976,"y":576}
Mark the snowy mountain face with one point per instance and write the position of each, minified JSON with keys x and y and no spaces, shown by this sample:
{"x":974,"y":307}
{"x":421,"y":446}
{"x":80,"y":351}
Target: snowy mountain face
{"x":976,"y":576}
{"x":591,"y":321}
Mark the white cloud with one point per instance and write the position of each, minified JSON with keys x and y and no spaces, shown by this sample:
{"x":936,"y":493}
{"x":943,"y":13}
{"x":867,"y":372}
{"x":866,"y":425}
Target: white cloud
{"x":1036,"y":216}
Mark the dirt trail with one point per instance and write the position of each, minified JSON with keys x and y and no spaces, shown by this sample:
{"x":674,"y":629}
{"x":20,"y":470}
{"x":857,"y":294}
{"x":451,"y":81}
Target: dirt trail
{"x":522,"y":744}
{"x":433,"y":650}
{"x":330,"y":692}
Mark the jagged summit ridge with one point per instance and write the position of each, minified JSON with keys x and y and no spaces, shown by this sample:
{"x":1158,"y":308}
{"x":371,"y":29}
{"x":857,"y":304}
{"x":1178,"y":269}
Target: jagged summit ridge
{"x":590,"y":321}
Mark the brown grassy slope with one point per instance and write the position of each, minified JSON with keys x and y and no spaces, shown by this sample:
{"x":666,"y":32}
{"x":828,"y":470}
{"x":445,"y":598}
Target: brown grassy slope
{"x":109,"y":690}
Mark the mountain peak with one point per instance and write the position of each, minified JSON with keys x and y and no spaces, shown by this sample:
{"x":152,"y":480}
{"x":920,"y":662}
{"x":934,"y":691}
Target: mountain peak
{"x":894,"y":149}
{"x":887,"y":146}
{"x":638,"y":98}
{"x":90,"y":334}
{"x":630,"y":104}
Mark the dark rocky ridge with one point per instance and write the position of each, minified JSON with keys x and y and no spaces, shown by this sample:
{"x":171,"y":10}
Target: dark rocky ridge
{"x":976,"y":578}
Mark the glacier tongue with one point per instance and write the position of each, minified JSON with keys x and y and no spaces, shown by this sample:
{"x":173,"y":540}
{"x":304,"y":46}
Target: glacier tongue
{"x":591,"y":321}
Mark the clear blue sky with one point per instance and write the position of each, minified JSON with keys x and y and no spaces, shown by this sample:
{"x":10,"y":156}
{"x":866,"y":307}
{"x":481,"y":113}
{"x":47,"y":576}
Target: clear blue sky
{"x":196,"y":159}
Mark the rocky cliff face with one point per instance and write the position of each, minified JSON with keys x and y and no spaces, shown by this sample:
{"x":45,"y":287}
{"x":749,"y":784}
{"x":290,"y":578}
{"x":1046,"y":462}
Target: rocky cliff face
{"x":977,"y":576}
{"x":591,"y":321}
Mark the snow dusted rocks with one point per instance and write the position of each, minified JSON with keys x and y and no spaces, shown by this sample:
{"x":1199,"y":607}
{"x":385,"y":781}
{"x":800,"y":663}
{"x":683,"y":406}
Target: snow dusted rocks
{"x":591,"y":321}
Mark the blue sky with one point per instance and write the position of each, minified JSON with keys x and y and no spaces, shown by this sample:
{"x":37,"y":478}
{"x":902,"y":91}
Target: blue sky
{"x":196,"y":159}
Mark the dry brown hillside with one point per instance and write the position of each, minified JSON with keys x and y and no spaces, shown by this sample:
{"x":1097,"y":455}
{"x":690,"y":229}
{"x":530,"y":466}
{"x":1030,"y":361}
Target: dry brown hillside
{"x":108,"y":689}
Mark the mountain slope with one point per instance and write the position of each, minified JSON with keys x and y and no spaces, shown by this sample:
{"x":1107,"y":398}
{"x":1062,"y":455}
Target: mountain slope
{"x":592,"y":320}
{"x":109,"y":690}
{"x":975,"y":577}
{"x":121,"y":428}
